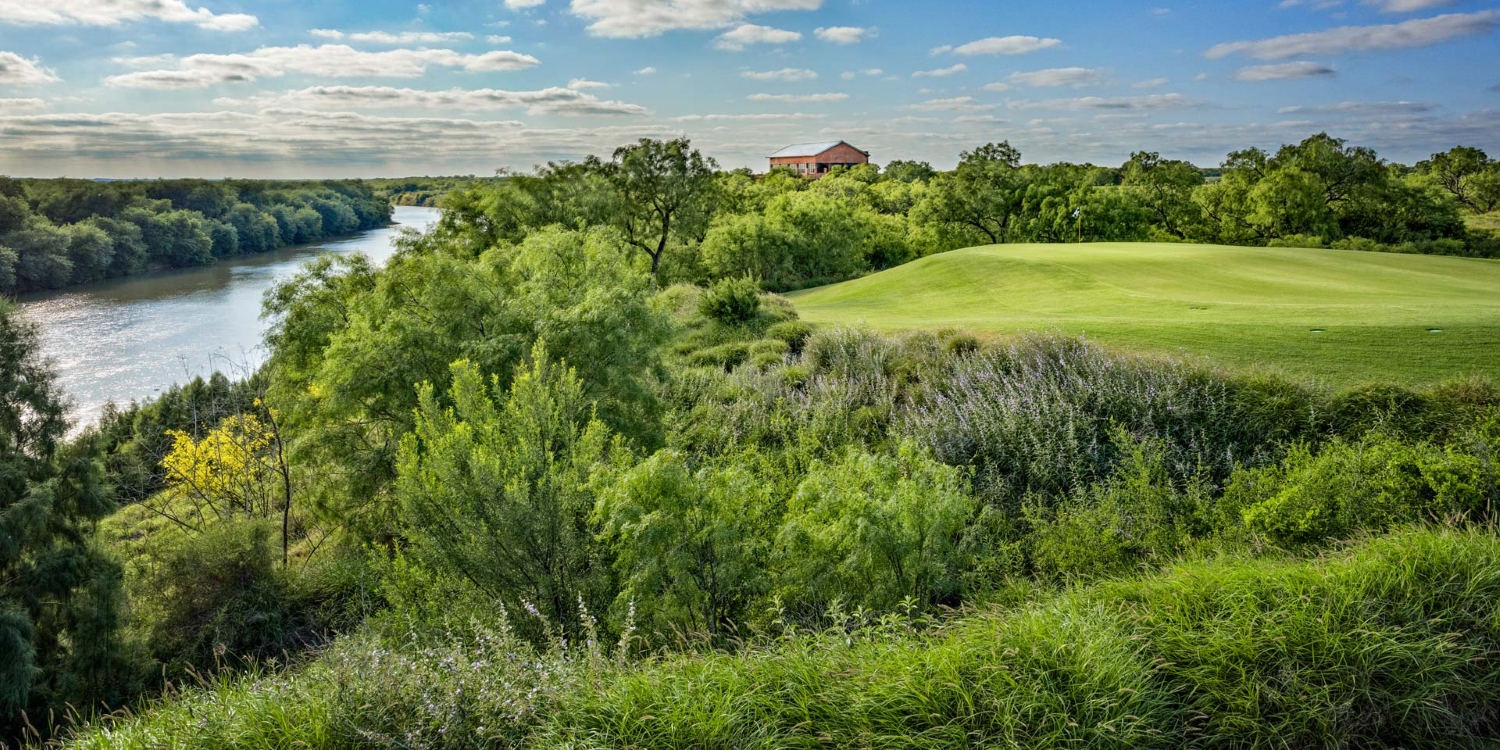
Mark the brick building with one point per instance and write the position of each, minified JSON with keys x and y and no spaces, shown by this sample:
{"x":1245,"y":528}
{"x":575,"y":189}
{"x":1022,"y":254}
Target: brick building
{"x":815,"y":159}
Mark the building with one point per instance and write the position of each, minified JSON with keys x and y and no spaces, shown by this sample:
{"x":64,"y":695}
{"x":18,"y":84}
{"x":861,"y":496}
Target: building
{"x":815,"y":159}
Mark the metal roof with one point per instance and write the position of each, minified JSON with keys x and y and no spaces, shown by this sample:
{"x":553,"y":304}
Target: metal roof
{"x":806,"y":149}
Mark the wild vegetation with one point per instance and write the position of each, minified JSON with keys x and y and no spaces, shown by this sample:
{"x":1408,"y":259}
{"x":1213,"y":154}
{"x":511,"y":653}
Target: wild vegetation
{"x":569,"y":472}
{"x":1341,"y":316}
{"x":58,"y":233}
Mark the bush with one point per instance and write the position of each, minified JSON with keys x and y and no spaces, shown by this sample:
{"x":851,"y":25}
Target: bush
{"x":1369,"y":485}
{"x":732,"y":302}
{"x":216,"y":598}
{"x":1136,"y":517}
{"x":1035,"y":417}
{"x":794,"y":332}
{"x":874,"y":531}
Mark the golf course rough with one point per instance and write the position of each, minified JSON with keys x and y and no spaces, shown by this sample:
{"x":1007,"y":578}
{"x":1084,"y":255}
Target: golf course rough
{"x":1341,"y":316}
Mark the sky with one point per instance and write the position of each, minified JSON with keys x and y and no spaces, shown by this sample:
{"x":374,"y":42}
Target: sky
{"x":345,"y":88}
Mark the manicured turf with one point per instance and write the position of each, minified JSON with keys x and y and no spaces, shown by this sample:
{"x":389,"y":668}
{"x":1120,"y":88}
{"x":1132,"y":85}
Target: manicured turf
{"x":1342,"y":316}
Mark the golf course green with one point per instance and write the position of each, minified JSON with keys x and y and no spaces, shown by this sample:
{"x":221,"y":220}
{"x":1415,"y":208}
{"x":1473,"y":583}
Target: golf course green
{"x":1340,"y":316}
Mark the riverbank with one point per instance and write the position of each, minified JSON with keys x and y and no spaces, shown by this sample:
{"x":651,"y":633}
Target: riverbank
{"x":132,"y":338}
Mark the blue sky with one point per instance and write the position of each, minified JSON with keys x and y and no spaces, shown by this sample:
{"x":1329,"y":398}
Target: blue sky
{"x":140,"y":88}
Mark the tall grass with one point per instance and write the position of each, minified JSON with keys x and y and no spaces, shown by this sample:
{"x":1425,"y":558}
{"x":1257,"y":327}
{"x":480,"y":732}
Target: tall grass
{"x":1392,"y":643}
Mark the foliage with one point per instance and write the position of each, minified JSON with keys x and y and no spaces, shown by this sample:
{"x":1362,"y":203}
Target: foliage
{"x":59,"y":594}
{"x":731,"y":301}
{"x":349,"y":344}
{"x":57,"y":233}
{"x":1371,"y":484}
{"x":690,"y":546}
{"x":874,"y":531}
{"x":496,"y":488}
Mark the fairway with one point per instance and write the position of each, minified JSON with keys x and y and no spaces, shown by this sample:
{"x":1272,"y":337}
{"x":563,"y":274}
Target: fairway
{"x":1341,"y":316}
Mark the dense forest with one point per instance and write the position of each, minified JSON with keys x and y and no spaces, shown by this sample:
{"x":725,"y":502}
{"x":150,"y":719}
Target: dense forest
{"x":568,"y":471}
{"x":57,"y":233}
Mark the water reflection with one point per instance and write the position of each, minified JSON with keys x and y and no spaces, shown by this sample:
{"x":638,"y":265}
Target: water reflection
{"x":134,"y":338}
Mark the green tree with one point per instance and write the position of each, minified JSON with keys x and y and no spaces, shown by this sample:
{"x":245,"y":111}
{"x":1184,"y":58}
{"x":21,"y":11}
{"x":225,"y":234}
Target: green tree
{"x":496,"y":488}
{"x":690,"y":547}
{"x":1469,"y":175}
{"x":1167,"y":187}
{"x":58,"y":594}
{"x":979,"y":199}
{"x":874,"y":530}
{"x":665,"y":193}
{"x":349,"y":344}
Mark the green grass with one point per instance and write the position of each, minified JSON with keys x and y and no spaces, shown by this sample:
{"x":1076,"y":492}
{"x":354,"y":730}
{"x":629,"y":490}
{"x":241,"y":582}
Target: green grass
{"x":1237,"y":306}
{"x":1390,"y":644}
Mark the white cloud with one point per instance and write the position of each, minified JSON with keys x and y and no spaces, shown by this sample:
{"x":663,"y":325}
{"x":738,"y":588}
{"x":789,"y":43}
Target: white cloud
{"x":1421,"y":32}
{"x":644,"y":18}
{"x":757,"y":117}
{"x":941,"y":72}
{"x":497,"y":39}
{"x":523,"y":4}
{"x":1149,"y":102}
{"x":550,"y":101}
{"x":738,"y":38}
{"x":1290,"y":71}
{"x":848,"y":75}
{"x":1313,"y":4}
{"x":166,"y":80}
{"x":785,"y":74}
{"x":1361,"y":108}
{"x":1000,"y":45}
{"x":646,"y":71}
{"x":19,"y":71}
{"x":331,"y":60}
{"x":1075,"y":77}
{"x":116,"y":12}
{"x":797,"y":97}
{"x":412,"y":37}
{"x":326,"y":33}
{"x":1151,"y":83}
{"x":955,"y":104}
{"x":844,"y":34}
{"x":18,"y":106}
{"x":579,"y":84}
{"x":1407,"y":6}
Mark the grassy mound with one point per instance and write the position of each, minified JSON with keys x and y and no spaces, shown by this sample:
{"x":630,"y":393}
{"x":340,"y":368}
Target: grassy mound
{"x":1345,"y":316}
{"x":1391,"y":644}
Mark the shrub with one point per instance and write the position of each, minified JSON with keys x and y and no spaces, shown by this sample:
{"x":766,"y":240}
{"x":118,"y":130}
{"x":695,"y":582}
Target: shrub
{"x":794,"y":332}
{"x":727,"y":356}
{"x":214,"y":598}
{"x":497,"y":488}
{"x":690,"y":546}
{"x":1035,"y":417}
{"x":874,"y":530}
{"x":1135,"y":517}
{"x":732,"y":302}
{"x":1369,"y":485}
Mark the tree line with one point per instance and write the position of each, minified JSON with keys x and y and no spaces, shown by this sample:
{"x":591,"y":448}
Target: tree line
{"x":58,"y":233}
{"x":692,"y":222}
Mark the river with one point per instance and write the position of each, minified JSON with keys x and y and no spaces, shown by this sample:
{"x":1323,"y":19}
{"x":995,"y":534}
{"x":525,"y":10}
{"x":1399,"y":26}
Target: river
{"x":133,"y":338}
